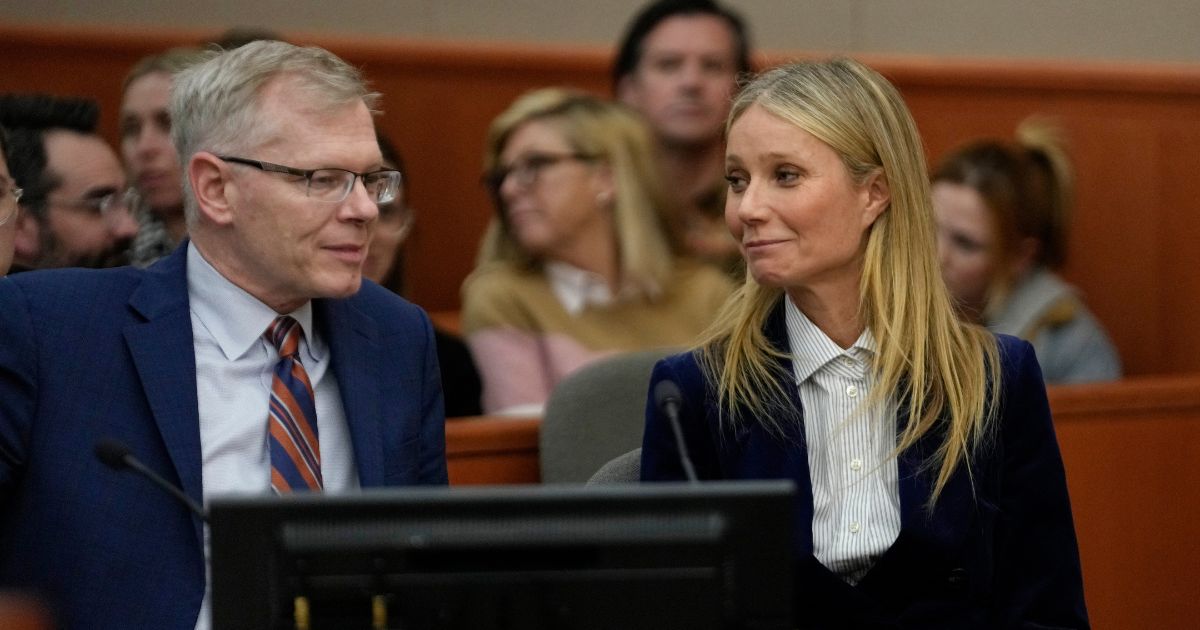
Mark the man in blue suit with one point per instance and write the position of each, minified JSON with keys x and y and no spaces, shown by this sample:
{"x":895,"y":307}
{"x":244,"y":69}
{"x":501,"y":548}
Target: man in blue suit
{"x":283,"y":176}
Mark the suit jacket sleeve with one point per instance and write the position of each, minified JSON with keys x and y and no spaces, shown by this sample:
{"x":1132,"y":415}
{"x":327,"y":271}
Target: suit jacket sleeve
{"x":1039,"y":583}
{"x":660,"y":454}
{"x":17,"y":383}
{"x":433,"y":418}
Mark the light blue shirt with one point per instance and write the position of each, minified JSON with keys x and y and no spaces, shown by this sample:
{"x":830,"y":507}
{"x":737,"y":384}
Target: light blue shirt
{"x":234,"y":368}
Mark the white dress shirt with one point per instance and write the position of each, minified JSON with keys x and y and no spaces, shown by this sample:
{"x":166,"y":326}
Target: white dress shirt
{"x":234,"y":368}
{"x":856,"y":495}
{"x":578,"y":289}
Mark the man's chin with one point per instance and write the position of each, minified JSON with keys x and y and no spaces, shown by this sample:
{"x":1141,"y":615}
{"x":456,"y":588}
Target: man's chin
{"x":115,"y":257}
{"x":343,"y":287}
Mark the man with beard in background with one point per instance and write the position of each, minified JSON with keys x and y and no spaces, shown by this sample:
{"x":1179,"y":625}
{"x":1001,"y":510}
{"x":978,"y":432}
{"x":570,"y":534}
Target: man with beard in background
{"x":76,"y":206}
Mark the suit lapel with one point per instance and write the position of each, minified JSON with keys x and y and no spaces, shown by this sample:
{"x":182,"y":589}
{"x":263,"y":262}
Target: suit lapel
{"x":165,"y":358}
{"x":944,"y":528}
{"x":796,"y":459}
{"x":354,"y":347}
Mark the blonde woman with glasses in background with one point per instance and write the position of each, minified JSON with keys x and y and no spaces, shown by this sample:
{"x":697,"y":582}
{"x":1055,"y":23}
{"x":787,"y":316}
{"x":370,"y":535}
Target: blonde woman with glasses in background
{"x":576,"y":265}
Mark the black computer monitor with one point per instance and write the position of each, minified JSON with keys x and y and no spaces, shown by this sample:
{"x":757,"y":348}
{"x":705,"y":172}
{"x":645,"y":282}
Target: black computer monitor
{"x":712,"y":555}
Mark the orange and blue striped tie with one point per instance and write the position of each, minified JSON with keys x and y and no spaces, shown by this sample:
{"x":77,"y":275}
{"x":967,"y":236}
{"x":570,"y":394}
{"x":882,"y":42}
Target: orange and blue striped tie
{"x":292,"y":435}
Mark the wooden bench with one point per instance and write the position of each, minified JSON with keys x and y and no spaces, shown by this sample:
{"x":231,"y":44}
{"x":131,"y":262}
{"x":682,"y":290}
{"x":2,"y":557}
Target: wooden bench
{"x":1132,"y":454}
{"x":492,"y":450}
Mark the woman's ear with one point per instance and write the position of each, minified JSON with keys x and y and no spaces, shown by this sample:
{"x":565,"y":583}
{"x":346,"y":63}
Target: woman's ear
{"x":211,"y":184}
{"x":878,"y":196}
{"x":605,"y":186}
{"x":1025,"y":256}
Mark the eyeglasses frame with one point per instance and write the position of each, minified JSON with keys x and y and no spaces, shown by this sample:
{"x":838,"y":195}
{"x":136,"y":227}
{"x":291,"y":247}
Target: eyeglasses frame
{"x":270,"y":167}
{"x":16,"y":192}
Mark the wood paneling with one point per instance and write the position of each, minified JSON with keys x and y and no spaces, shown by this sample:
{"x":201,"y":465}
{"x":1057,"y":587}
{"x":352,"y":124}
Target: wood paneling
{"x":488,"y":450}
{"x":1134,"y":132}
{"x":1129,"y":449}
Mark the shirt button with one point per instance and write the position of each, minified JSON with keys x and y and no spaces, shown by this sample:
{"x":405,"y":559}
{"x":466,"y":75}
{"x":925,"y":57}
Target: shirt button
{"x":851,"y":391}
{"x":854,"y":527}
{"x":847,"y":361}
{"x":856,"y":464}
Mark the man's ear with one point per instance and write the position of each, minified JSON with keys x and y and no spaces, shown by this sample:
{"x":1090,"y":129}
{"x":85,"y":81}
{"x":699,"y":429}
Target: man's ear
{"x":627,"y":90}
{"x":879,"y":196}
{"x":27,"y":236}
{"x":210,"y":180}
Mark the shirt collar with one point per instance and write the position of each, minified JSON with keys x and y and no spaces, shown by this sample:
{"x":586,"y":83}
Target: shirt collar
{"x":812,"y":349}
{"x":235,"y":319}
{"x":577,"y":289}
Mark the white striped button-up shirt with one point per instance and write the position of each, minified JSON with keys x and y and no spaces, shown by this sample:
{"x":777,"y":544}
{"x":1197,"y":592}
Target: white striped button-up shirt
{"x":856,"y":496}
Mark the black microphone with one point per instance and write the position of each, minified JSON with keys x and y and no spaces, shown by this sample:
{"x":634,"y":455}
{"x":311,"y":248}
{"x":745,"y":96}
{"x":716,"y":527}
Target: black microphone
{"x":117,"y":456}
{"x":668,"y":399}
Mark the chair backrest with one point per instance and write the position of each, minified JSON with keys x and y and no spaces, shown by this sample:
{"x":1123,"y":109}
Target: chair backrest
{"x":594,"y":415}
{"x":625,"y":468}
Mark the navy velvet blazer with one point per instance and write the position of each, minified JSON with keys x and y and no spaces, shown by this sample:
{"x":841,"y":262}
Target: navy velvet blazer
{"x":995,"y":552}
{"x":89,"y":354}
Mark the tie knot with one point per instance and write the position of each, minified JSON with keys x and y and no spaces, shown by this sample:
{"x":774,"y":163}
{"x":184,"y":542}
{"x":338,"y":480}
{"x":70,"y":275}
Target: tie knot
{"x":284,"y":333}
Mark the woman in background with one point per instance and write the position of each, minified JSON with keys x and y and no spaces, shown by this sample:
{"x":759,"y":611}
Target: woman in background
{"x":10,"y":197}
{"x":930,"y":490}
{"x":576,"y":265}
{"x":1003,"y":211}
{"x":385,"y":265}
{"x":150,"y":156}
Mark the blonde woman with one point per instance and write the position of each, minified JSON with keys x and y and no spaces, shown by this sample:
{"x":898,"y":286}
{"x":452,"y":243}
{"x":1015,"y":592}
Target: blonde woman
{"x":930,"y":491}
{"x":1003,"y":211}
{"x":577,"y":264}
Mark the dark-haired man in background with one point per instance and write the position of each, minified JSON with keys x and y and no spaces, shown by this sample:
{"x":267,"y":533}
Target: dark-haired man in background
{"x":76,"y":206}
{"x":678,"y":65}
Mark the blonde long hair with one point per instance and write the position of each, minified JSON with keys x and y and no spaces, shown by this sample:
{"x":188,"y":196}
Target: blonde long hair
{"x":943,"y":371}
{"x":616,"y":136}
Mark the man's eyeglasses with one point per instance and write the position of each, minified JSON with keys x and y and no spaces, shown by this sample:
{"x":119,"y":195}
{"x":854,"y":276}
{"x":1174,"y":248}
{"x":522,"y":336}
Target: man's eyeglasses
{"x":527,"y":169}
{"x":108,"y":206}
{"x":333,"y":184}
{"x":10,"y":196}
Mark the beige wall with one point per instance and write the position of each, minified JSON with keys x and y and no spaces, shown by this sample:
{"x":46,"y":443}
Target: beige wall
{"x":1129,"y":30}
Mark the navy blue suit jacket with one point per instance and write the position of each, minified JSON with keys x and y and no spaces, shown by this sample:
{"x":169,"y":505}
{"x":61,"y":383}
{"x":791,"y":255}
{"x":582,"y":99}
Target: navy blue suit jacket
{"x":998,"y":551}
{"x":90,"y":354}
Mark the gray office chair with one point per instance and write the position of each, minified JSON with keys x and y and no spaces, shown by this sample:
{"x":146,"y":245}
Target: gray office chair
{"x":594,"y":415}
{"x":626,"y":468}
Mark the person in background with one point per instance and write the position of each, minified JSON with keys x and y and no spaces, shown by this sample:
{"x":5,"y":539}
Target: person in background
{"x":677,"y":65}
{"x":930,"y":489}
{"x":10,"y":199}
{"x":239,"y":36}
{"x":76,"y":210}
{"x":251,"y":361}
{"x":1003,"y":213}
{"x":461,"y":388}
{"x":150,"y":158}
{"x":576,"y":264}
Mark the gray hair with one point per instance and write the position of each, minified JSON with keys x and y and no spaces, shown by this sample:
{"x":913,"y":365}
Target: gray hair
{"x":215,"y":102}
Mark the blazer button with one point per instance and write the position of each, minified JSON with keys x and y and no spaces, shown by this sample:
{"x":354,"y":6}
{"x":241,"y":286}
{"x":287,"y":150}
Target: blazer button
{"x":957,"y":577}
